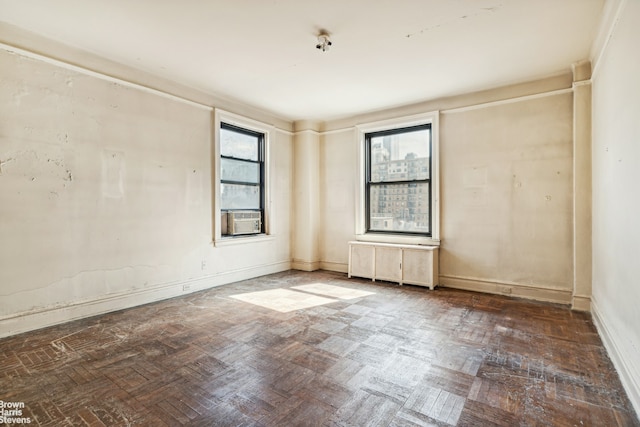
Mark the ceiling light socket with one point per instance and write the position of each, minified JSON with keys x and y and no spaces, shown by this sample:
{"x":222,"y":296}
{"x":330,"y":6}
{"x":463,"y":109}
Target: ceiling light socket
{"x":323,"y":42}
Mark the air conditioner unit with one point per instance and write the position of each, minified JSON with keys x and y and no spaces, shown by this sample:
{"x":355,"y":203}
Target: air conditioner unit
{"x":243,"y":222}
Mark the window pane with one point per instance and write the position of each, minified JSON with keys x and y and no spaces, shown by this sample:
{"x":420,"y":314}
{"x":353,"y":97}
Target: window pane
{"x":234,"y":196}
{"x":399,"y":207}
{"x":237,"y":170}
{"x":400,"y":157}
{"x":239,"y":145}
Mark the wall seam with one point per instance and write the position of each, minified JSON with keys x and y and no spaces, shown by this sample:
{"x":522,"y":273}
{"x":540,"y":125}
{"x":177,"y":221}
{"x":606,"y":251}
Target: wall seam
{"x":596,"y":58}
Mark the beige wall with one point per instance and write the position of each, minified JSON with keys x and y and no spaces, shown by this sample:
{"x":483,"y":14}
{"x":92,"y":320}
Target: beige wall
{"x":122,"y":180}
{"x":306,"y":205}
{"x":106,"y":197}
{"x":106,"y":189}
{"x":506,"y":190}
{"x":338,"y":171}
{"x":616,"y":195}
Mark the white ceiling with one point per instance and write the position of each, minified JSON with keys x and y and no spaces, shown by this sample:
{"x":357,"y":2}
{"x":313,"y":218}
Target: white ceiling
{"x":385,"y":53}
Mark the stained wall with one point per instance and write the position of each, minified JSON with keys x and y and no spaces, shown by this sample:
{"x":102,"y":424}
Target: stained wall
{"x":507,"y":194}
{"x":506,"y":189}
{"x":107,"y":196}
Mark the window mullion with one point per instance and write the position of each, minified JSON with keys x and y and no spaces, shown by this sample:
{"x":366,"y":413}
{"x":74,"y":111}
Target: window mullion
{"x":239,"y":159}
{"x":395,"y":205}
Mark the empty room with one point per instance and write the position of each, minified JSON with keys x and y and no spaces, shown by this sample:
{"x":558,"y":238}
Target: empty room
{"x":299,"y":213}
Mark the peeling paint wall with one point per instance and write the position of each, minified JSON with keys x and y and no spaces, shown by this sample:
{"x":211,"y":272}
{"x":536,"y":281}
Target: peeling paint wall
{"x":105,"y":190}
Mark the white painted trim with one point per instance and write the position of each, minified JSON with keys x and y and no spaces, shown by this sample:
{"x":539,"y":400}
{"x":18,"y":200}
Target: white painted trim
{"x":431,"y":117}
{"x":298,"y":264}
{"x":507,"y":101}
{"x":285,"y":131}
{"x":101,"y":76}
{"x":629,"y":378}
{"x":243,"y":240}
{"x":324,"y":132}
{"x":339,"y":267}
{"x":397,"y":239}
{"x":41,"y":318}
{"x":399,"y":122}
{"x":534,"y":292}
{"x":339,"y":130}
{"x":581,"y":303}
{"x":360,"y":208}
{"x":311,"y":131}
{"x":581,"y":83}
{"x":435,"y":180}
{"x":242,"y":121}
{"x":222,"y":116}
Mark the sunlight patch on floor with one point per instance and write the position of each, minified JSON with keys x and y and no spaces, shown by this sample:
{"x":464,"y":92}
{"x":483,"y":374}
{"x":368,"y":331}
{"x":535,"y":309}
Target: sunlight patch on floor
{"x":286,"y":300}
{"x":333,"y":291}
{"x":283,"y":300}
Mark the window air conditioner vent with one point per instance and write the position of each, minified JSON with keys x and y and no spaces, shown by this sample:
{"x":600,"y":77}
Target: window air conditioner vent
{"x":244,"y":222}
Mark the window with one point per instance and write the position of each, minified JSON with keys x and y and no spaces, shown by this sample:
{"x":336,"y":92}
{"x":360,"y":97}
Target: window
{"x":398,"y":163}
{"x":241,"y":169}
{"x":241,"y":203}
{"x":398,"y":195}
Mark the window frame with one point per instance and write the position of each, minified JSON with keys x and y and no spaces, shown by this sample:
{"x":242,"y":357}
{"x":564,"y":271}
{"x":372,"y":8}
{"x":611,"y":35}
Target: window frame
{"x":362,"y":231}
{"x":222,"y":119}
{"x":369,"y":183}
{"x":259,"y":162}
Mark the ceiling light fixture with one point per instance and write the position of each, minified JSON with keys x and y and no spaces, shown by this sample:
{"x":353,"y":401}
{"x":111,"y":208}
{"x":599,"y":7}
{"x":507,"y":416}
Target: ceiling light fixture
{"x":323,"y":42}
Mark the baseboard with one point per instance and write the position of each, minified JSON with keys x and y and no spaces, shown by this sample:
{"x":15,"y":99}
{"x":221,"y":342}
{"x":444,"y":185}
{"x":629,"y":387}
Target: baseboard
{"x":49,"y":316}
{"x":298,"y":264}
{"x":334,"y":266}
{"x":629,"y":377}
{"x":581,"y":303}
{"x":537,"y":293}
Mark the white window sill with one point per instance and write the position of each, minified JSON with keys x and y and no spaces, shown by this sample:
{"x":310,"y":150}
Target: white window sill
{"x":397,"y":239}
{"x":243,"y":240}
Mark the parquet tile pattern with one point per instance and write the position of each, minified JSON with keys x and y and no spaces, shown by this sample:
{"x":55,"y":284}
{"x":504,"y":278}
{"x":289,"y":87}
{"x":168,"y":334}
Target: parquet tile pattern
{"x":400,"y":356}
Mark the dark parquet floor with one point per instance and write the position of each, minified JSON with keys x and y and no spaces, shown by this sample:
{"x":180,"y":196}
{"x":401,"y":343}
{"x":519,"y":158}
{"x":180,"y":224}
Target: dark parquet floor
{"x":402,"y":356}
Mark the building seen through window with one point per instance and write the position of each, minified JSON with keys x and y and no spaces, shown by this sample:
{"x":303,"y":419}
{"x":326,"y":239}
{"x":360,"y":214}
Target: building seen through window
{"x":399,"y":180}
{"x":241,"y":174}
